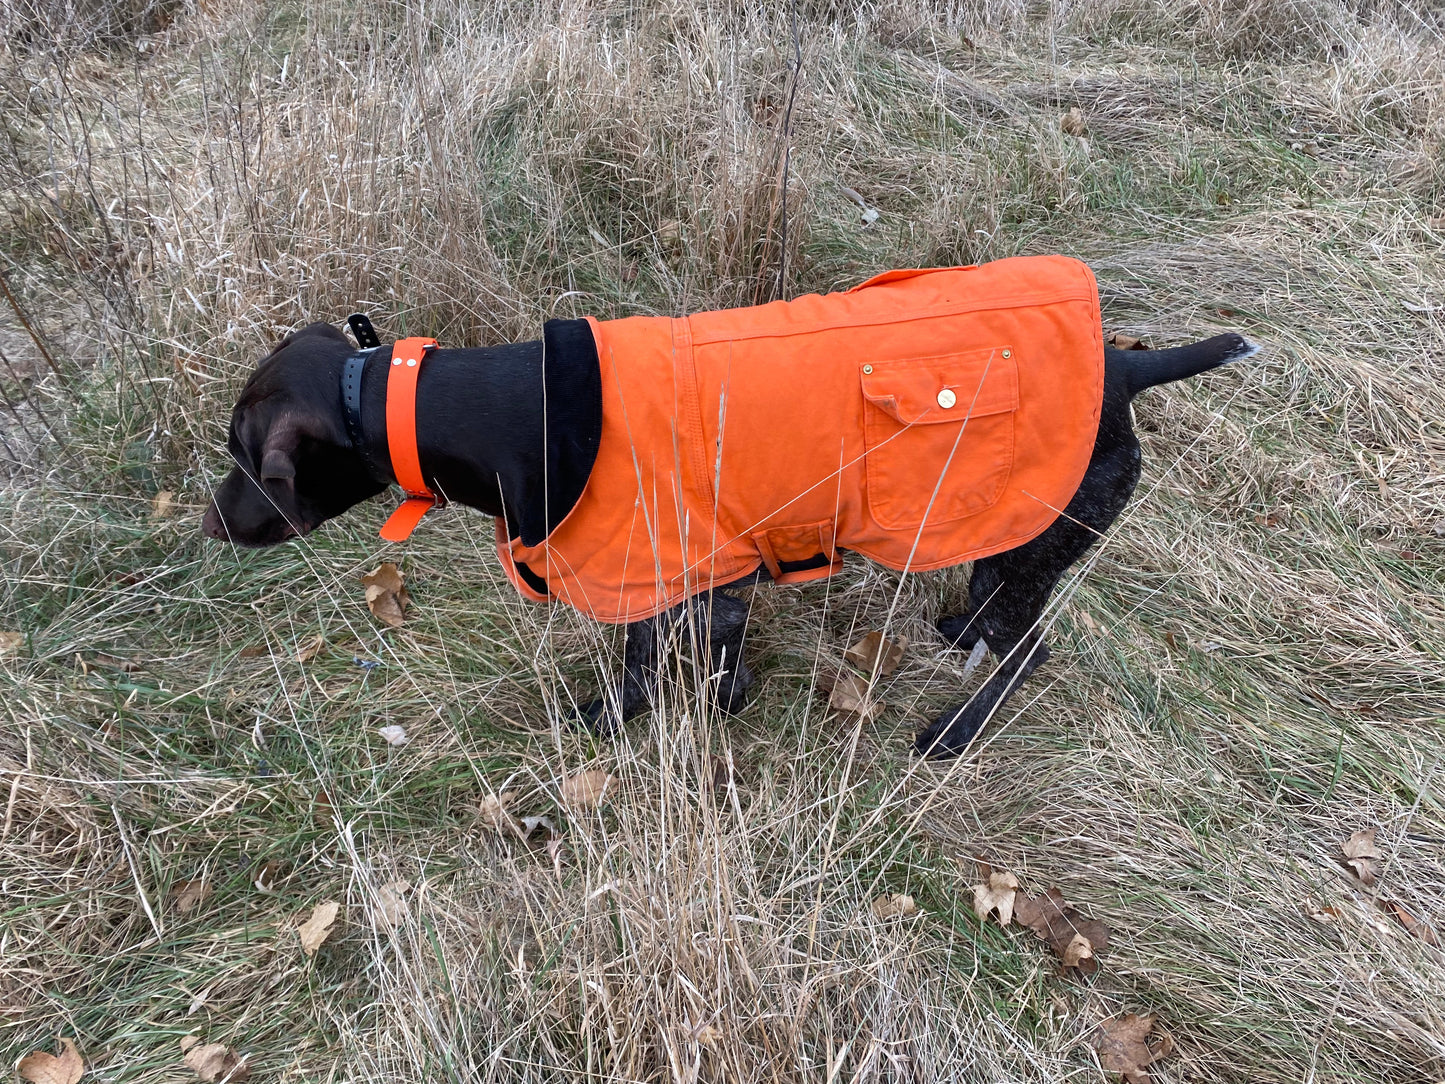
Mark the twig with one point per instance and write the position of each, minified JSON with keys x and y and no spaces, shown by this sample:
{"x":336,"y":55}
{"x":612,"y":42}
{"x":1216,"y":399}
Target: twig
{"x":788,"y":146}
{"x":25,"y":323}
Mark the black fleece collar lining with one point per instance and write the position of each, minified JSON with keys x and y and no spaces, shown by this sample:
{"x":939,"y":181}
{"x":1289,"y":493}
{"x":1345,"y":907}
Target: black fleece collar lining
{"x":570,"y":380}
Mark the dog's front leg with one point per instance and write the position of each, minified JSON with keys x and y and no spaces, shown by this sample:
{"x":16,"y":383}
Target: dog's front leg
{"x":639,"y":678}
{"x":713,"y":618}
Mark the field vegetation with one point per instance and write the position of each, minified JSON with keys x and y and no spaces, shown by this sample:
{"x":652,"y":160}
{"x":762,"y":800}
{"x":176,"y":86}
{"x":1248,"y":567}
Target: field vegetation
{"x":1248,"y":671}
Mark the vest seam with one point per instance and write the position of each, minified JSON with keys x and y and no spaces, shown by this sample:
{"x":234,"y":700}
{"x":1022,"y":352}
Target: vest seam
{"x":1020,"y":302}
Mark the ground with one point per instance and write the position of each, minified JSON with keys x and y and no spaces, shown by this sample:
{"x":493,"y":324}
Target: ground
{"x":1248,"y":671}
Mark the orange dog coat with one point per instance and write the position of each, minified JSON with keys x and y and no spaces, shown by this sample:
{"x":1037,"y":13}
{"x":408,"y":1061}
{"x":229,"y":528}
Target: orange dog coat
{"x":922,"y":419}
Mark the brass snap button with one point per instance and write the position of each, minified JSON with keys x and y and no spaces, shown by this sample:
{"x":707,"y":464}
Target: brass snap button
{"x":946,"y":398}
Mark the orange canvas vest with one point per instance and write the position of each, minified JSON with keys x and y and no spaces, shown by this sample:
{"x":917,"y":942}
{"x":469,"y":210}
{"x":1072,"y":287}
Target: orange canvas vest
{"x":922,"y":419}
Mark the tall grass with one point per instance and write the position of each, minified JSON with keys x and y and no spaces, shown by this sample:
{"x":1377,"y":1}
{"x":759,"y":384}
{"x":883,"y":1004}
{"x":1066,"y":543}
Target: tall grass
{"x":1250,"y":670}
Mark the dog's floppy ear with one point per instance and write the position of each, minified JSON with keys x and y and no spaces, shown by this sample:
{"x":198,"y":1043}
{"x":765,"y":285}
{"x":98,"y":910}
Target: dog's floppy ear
{"x":278,"y":454}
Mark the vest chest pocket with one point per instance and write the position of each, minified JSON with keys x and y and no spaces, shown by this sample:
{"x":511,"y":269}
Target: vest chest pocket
{"x":944,"y":423}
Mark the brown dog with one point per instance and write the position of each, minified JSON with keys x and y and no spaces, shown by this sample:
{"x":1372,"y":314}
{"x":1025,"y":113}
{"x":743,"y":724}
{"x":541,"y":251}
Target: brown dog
{"x":503,"y":433}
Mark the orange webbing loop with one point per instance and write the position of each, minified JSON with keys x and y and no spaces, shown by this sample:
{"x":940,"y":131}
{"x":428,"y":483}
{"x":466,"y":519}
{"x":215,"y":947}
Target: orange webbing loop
{"x":406,"y":359}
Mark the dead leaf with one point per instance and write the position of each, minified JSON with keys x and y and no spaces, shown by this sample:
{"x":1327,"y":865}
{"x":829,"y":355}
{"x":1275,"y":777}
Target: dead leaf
{"x":850,"y":696}
{"x":531,"y":824}
{"x":253,"y":651}
{"x":42,"y":1068}
{"x":1077,"y":951}
{"x":311,"y":648}
{"x":893,"y":906}
{"x":190,"y":894}
{"x":496,"y":815}
{"x":708,"y":1034}
{"x":586,"y":790}
{"x":1121,"y":341}
{"x":11,"y":641}
{"x":554,"y":852}
{"x":724,"y":771}
{"x":114,"y":662}
{"x":1362,"y":854}
{"x":163,"y":504}
{"x":997,"y":895}
{"x":393,"y":735}
{"x":390,"y":910}
{"x":214,"y":1061}
{"x":1059,"y":924}
{"x":1414,"y":927}
{"x":1073,"y":122}
{"x":875,"y":651}
{"x":265,"y":875}
{"x":317,"y":928}
{"x":1123,"y":1046}
{"x":386,"y":595}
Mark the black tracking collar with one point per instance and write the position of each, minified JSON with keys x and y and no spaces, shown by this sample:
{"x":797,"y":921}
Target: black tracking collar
{"x":352,"y":375}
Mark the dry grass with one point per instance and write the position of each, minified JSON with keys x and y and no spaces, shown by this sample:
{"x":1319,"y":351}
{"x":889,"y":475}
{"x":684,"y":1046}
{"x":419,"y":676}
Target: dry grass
{"x":1249,"y":670}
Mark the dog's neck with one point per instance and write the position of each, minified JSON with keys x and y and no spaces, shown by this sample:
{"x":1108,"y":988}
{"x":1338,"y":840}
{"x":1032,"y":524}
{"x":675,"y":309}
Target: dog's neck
{"x":510,"y":430}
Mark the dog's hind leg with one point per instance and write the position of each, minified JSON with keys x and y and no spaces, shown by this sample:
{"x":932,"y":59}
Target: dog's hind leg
{"x":1009,"y":590}
{"x":727,"y":619}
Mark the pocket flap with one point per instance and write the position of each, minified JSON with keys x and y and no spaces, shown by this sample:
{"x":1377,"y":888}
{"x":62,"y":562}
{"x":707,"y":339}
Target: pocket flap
{"x":947,"y":388}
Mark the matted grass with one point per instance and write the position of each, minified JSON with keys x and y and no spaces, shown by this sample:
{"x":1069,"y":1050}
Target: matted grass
{"x":1249,"y":669}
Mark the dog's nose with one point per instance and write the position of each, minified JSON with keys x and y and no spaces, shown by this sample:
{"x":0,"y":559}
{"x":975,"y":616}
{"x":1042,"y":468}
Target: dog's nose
{"x":211,"y":524}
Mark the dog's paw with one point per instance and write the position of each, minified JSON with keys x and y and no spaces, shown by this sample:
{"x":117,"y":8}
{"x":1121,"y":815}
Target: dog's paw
{"x":961,"y":630}
{"x":598,"y":717}
{"x":734,"y":690}
{"x":950,"y":734}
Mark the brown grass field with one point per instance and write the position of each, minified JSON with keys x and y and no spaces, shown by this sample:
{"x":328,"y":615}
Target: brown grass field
{"x":1250,"y":669}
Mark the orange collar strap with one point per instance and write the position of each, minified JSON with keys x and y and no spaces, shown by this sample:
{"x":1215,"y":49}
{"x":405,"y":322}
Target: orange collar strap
{"x":402,"y":373}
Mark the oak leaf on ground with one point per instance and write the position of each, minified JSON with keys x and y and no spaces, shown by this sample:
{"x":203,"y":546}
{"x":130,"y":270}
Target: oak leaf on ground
{"x":390,"y":910}
{"x":11,"y":641}
{"x":873,"y":650}
{"x":214,"y":1061}
{"x":316,"y":929}
{"x":495,"y":814}
{"x":386,"y":594}
{"x":587,"y":790}
{"x":998,"y":895}
{"x":850,"y":696}
{"x":1122,"y":341}
{"x":191,"y":894}
{"x":1414,"y":926}
{"x":893,"y":906}
{"x":40,"y":1067}
{"x":1362,"y":854}
{"x":1123,"y":1046}
{"x":1075,"y":938}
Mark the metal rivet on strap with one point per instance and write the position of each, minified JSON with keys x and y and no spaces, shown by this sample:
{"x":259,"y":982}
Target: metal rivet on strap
{"x":396,"y":361}
{"x":411,"y":361}
{"x":946,"y":398}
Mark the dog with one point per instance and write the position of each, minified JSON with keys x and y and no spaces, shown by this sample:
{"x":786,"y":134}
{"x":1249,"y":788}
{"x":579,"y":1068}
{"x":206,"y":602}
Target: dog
{"x":631,"y":470}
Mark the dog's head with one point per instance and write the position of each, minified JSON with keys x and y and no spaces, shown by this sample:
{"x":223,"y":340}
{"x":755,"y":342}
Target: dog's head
{"x":295,"y":467}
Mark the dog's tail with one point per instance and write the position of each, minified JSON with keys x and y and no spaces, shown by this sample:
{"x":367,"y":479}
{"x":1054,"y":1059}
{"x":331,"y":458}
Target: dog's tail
{"x":1146,"y":368}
